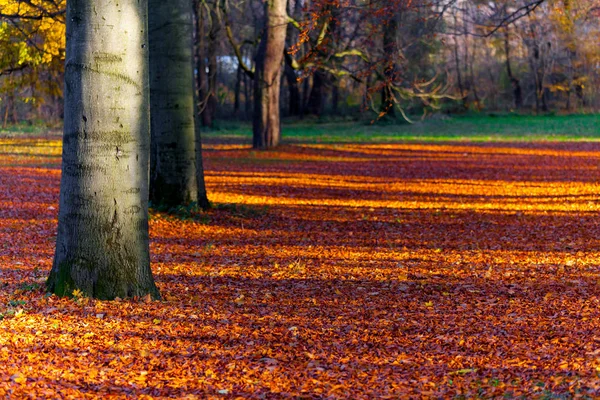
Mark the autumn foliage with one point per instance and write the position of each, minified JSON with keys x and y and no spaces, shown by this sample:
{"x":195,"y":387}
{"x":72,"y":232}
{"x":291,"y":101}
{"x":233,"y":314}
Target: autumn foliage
{"x":325,"y":271}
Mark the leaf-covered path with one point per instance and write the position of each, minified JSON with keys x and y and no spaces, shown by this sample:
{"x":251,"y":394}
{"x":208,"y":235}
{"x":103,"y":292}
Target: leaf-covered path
{"x":325,"y":271}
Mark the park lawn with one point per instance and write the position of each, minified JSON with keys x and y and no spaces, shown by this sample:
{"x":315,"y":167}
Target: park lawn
{"x":472,"y":127}
{"x":399,"y":270}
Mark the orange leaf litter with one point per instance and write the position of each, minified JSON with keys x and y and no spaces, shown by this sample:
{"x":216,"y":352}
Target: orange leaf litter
{"x":342,"y":271}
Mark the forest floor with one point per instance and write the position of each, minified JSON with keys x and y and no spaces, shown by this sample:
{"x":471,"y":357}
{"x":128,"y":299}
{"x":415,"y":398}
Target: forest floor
{"x":407,"y":270}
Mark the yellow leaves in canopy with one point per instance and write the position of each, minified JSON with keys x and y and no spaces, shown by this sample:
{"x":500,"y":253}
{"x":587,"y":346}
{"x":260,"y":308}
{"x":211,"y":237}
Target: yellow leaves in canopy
{"x":37,"y":37}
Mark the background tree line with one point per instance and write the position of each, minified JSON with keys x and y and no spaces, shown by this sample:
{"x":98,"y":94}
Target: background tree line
{"x":345,"y":57}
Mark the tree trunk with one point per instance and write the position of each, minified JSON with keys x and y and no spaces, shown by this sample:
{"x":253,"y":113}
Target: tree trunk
{"x":470,"y":62}
{"x":515,"y":83}
{"x":304,"y":97}
{"x":238,"y":90}
{"x":201,"y":196}
{"x":208,"y":115}
{"x":266,"y":119}
{"x":102,"y":244}
{"x":316,"y":102}
{"x":295,"y":102}
{"x":461,"y":88}
{"x":247,"y":97}
{"x":537,"y":64}
{"x":335,"y":96}
{"x":294,"y":91}
{"x":201,"y":75}
{"x":390,"y":51}
{"x":173,"y":156}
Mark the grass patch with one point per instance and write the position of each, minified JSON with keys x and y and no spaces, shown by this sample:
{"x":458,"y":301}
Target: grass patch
{"x":473,"y":127}
{"x":30,"y":129}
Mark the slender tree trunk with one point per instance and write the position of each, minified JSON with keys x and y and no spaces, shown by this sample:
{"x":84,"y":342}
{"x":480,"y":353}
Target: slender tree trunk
{"x":6,"y":111}
{"x":366,"y":98}
{"x":266,"y":120}
{"x":533,"y":66}
{"x":247,"y":97}
{"x":390,"y":51}
{"x":305,"y":95}
{"x":201,"y":75}
{"x":469,"y":70}
{"x":102,"y":245}
{"x":461,"y":88}
{"x":238,"y":90}
{"x":515,"y":83}
{"x":201,"y":196}
{"x":537,"y":65}
{"x":208,"y":115}
{"x":173,"y":156}
{"x":335,"y":96}
{"x":294,"y":91}
{"x":579,"y":92}
{"x":295,"y":102}
{"x":317,"y":94}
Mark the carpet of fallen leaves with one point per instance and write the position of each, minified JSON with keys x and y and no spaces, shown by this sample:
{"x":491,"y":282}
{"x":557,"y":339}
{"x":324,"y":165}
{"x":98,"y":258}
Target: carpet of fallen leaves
{"x":449,"y":270}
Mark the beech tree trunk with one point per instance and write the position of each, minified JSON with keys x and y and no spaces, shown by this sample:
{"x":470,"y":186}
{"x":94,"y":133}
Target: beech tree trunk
{"x":267,"y":78}
{"x":102,"y":244}
{"x":173,"y":178}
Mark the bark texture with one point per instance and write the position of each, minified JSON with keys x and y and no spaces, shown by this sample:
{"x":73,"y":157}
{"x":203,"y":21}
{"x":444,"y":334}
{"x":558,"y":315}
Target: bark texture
{"x":267,"y":78}
{"x":102,"y":244}
{"x":173,"y":156}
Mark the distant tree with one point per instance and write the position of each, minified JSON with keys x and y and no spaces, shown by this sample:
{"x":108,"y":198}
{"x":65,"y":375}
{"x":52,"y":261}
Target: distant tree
{"x":266,"y":124}
{"x":390,"y":51}
{"x":294,"y":96}
{"x":102,"y":245}
{"x":514,"y":81}
{"x":176,"y":174}
{"x":208,"y":29}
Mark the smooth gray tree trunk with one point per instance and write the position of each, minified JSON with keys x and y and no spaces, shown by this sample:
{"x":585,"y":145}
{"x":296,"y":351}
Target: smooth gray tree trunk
{"x":173,"y":176}
{"x":102,"y":244}
{"x":267,"y":77}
